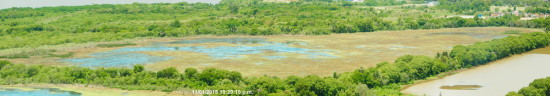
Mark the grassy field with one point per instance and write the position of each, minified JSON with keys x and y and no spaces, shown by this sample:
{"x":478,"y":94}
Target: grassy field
{"x":351,"y":50}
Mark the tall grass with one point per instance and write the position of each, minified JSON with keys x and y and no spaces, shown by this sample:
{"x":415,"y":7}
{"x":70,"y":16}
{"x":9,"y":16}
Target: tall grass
{"x":116,"y":45}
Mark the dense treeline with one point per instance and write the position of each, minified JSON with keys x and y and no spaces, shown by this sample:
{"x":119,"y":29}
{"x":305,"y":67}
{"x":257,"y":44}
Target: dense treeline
{"x":383,"y":2}
{"x":365,"y":2}
{"x":31,"y":27}
{"x":465,"y":5}
{"x":472,"y":6}
{"x":384,"y":79}
{"x":538,"y":10}
{"x":481,"y":53}
{"x":171,"y":79}
{"x":539,"y":87}
{"x":409,"y":68}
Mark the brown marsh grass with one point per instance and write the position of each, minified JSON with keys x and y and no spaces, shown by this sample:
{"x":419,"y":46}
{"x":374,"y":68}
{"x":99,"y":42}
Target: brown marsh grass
{"x":354,"y":50}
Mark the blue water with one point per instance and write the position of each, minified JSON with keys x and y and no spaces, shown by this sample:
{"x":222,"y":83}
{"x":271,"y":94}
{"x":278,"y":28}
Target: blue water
{"x":126,"y":57}
{"x":37,"y":92}
{"x":275,"y":57}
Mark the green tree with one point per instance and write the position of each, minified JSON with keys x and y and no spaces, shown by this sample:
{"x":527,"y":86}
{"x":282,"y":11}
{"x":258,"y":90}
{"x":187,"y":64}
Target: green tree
{"x":176,"y":24}
{"x":191,"y":72}
{"x":170,"y":72}
{"x":234,"y":8}
{"x":138,"y":68}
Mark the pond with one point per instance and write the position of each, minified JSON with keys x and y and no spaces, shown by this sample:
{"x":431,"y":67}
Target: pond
{"x":494,"y":79}
{"x":36,"y":92}
{"x":49,"y":3}
{"x":129,"y":56}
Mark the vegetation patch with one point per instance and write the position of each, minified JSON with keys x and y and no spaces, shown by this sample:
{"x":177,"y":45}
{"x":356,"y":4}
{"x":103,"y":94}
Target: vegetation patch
{"x":61,"y":55}
{"x":539,"y":87}
{"x":512,"y":32}
{"x":116,"y":45}
{"x":384,"y":79}
{"x":28,"y":54}
{"x":25,"y":27}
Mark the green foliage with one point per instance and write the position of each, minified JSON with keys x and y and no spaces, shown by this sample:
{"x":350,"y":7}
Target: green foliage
{"x":539,"y":87}
{"x":538,"y":10}
{"x":4,"y":63}
{"x":383,"y":2}
{"x":384,"y":79}
{"x":473,"y":6}
{"x":484,"y":52}
{"x":512,"y":32}
{"x":176,"y":24}
{"x":138,"y":68}
{"x":191,"y":72}
{"x":465,"y":5}
{"x":116,"y":45}
{"x":544,"y":23}
{"x":61,"y":55}
{"x":212,"y":76}
{"x":405,"y":69}
{"x":513,"y":94}
{"x":28,"y":54}
{"x":12,"y":56}
{"x":409,"y":68}
{"x":32,"y":27}
{"x":170,"y":72}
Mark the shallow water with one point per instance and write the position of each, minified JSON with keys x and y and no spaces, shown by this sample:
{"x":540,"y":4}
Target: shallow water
{"x":129,"y":56}
{"x":37,"y":92}
{"x":494,"y":79}
{"x":48,"y":3}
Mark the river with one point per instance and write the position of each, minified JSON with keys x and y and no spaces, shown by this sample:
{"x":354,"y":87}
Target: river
{"x":50,"y":3}
{"x":494,"y":79}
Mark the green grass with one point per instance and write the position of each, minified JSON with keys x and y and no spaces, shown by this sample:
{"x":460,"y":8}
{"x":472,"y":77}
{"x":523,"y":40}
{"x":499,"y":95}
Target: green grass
{"x":13,"y":56}
{"x":61,"y":55}
{"x":28,"y":54}
{"x":115,"y":45}
{"x":512,"y":32}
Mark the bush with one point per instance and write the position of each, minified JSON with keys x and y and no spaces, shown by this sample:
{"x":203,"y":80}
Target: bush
{"x":170,"y":72}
